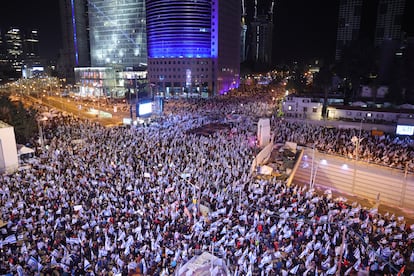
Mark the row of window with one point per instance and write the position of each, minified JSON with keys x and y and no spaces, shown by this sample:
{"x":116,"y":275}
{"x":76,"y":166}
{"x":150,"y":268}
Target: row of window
{"x":179,"y":62}
{"x":174,"y":69}
{"x":368,"y":115}
{"x":177,"y":76}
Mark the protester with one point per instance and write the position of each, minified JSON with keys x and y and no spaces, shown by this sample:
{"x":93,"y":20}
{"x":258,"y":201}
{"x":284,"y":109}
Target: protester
{"x":123,"y":200}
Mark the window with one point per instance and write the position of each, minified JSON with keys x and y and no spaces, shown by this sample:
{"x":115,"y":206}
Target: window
{"x":314,"y":109}
{"x":305,"y":109}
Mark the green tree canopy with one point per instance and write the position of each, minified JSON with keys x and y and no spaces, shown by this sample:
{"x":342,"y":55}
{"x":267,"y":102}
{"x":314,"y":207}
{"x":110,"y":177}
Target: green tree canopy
{"x":23,"y":120}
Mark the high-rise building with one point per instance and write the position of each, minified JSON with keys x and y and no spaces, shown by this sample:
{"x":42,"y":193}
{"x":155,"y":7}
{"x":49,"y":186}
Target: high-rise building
{"x":31,"y":45}
{"x":75,"y":37}
{"x":261,"y":36}
{"x":2,"y":55}
{"x":372,"y":20}
{"x":243,"y":33}
{"x":349,"y":22}
{"x":193,"y":46}
{"x":117,"y":31}
{"x":14,"y":48}
{"x":389,"y":20}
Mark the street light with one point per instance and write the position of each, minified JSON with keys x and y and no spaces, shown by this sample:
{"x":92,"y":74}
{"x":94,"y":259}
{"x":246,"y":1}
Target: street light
{"x":39,"y":124}
{"x":359,"y":140}
{"x":311,"y":179}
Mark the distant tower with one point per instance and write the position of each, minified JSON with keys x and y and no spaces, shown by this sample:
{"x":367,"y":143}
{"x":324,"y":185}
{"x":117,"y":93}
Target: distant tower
{"x":31,"y":45}
{"x":14,"y":49}
{"x":75,"y":37}
{"x":2,"y":55}
{"x":357,"y":16}
{"x":261,"y":34}
{"x":243,"y":34}
{"x":117,"y":33}
{"x":389,"y":21}
{"x":349,"y":23}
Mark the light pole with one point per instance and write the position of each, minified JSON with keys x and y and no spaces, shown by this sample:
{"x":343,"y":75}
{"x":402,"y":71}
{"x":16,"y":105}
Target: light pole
{"x":359,"y":139}
{"x":313,"y":169}
{"x":39,"y":124}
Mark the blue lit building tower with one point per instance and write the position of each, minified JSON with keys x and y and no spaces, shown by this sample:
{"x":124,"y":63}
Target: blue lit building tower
{"x":193,"y":46}
{"x":117,"y":32}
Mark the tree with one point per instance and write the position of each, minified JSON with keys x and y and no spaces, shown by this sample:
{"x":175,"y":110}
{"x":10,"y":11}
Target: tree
{"x":23,"y":120}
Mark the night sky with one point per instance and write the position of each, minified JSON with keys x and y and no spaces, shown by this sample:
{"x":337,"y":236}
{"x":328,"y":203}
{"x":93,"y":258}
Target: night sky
{"x":303,"y":29}
{"x":42,"y":15}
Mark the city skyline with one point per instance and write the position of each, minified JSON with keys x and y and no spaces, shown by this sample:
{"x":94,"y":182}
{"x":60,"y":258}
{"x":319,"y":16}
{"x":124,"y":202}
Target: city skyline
{"x":302,"y":30}
{"x":42,"y":16}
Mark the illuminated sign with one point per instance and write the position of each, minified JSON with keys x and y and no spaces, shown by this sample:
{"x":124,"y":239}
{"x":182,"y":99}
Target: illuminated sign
{"x":144,"y":109}
{"x":405,"y":130}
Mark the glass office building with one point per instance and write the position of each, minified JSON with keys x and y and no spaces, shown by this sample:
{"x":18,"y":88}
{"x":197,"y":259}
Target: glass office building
{"x":117,"y":33}
{"x":193,"y":46}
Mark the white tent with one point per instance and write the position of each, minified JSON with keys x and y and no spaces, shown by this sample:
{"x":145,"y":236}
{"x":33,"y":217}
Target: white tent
{"x":24,"y":150}
{"x":205,"y":264}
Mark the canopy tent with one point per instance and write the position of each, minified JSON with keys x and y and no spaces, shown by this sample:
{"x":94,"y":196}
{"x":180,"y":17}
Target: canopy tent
{"x":205,"y":264}
{"x":23,"y":150}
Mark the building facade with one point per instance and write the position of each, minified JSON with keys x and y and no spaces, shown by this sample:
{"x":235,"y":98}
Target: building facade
{"x":389,"y":21}
{"x":14,"y":48}
{"x":75,"y":37}
{"x":349,"y":22}
{"x":193,"y":46}
{"x":374,"y":20}
{"x":117,"y":33}
{"x":31,"y":45}
{"x":261,"y":36}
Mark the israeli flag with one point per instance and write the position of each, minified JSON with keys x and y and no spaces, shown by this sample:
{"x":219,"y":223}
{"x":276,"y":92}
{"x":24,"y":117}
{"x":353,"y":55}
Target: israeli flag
{"x":86,"y":264}
{"x":294,"y":270}
{"x":10,"y":239}
{"x":34,"y":263}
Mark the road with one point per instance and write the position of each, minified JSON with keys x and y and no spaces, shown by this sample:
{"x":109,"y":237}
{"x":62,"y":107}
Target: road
{"x":83,"y":109}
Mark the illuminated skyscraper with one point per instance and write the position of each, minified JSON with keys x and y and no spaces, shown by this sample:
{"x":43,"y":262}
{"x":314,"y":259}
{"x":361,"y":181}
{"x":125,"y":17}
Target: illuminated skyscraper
{"x":31,"y":45}
{"x":243,"y":33}
{"x":14,"y":48}
{"x":389,"y":20}
{"x":374,"y":20}
{"x":117,"y":33}
{"x":261,"y":36}
{"x":2,"y":55}
{"x":349,"y":23}
{"x":193,"y":46}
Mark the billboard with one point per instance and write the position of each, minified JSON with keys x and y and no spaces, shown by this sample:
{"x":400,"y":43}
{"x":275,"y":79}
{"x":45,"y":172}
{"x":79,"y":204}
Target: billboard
{"x":144,"y":109}
{"x":405,"y":130}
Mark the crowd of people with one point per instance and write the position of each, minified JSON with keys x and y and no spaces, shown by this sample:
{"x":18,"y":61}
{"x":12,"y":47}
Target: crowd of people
{"x":128,"y":200}
{"x":385,"y":149}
